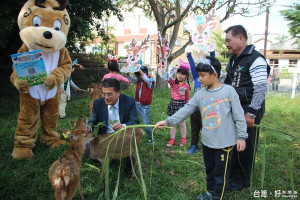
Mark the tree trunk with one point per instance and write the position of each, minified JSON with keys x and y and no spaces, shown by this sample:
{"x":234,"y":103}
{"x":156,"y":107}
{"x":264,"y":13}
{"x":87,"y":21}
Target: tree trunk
{"x":160,"y":82}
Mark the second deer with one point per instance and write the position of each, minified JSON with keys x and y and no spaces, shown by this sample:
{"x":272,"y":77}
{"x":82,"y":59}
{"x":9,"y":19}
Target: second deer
{"x":94,"y":91}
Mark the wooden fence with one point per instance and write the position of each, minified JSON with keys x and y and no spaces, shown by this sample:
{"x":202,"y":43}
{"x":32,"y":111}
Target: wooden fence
{"x":93,"y":72}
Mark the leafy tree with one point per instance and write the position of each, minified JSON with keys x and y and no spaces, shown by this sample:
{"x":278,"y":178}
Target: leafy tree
{"x":83,"y":21}
{"x":84,"y":24}
{"x":293,"y":16}
{"x":281,"y":39}
{"x":10,"y":40}
{"x":220,"y":46}
{"x":169,"y":14}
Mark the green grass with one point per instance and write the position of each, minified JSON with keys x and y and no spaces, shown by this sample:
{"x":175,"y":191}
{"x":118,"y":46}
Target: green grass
{"x":169,"y":173}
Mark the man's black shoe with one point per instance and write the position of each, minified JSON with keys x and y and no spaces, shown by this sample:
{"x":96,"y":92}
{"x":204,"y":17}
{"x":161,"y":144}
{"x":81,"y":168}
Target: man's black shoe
{"x":234,"y":186}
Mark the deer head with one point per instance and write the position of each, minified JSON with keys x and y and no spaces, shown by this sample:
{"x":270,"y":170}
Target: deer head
{"x":163,"y":51}
{"x":135,"y":51}
{"x":199,"y":28}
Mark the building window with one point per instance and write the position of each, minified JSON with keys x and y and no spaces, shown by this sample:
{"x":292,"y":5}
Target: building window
{"x":273,"y":62}
{"x":128,"y":22}
{"x":293,"y":63}
{"x":142,"y":21}
{"x":178,"y":43}
{"x":143,"y":30}
{"x":127,"y":31}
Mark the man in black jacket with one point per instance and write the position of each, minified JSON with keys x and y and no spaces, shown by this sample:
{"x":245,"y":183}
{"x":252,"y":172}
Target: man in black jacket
{"x":247,"y":72}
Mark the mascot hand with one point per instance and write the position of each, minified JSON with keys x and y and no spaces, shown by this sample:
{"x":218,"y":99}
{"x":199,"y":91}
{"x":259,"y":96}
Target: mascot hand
{"x":22,"y":86}
{"x":50,"y":82}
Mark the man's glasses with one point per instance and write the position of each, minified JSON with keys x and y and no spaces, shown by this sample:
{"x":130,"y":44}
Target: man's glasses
{"x":107,"y":94}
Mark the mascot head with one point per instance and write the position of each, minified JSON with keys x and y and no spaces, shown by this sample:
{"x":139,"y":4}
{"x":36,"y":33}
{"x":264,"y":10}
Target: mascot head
{"x":44,"y":24}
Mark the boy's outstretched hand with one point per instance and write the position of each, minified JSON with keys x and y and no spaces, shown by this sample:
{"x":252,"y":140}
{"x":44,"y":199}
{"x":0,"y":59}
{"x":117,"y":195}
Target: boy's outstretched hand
{"x":240,"y":145}
{"x":161,"y":124}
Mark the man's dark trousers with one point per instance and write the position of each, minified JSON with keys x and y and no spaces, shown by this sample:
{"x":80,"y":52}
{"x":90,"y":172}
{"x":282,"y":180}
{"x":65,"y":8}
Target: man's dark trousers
{"x":196,"y":124}
{"x":242,"y":162}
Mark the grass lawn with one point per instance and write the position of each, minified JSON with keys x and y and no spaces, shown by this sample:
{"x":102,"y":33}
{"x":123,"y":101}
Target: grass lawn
{"x":169,"y":173}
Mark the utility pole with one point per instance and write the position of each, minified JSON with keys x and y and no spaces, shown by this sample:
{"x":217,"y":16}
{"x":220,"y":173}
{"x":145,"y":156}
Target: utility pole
{"x":266,"y":30}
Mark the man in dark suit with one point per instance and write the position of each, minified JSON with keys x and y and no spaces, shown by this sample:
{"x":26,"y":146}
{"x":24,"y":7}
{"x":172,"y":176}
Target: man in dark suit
{"x":103,"y":112}
{"x":115,"y":110}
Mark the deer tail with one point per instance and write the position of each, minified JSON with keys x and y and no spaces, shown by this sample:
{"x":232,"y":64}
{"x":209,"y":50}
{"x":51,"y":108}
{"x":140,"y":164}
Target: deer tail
{"x":60,"y":186}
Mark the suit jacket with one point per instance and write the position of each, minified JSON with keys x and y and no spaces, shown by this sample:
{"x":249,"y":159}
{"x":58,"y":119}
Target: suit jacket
{"x":127,"y":112}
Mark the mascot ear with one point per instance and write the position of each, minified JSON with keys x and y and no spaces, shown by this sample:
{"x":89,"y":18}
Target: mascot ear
{"x":39,"y":3}
{"x":62,"y":4}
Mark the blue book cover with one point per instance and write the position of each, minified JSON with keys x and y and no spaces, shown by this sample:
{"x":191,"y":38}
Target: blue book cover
{"x":30,"y":66}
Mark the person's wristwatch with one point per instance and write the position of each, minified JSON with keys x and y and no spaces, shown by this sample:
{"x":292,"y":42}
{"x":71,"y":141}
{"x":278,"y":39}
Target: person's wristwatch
{"x":252,"y":116}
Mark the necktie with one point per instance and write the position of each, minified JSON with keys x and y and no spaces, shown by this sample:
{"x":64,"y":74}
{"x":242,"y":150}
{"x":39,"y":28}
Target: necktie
{"x":114,"y":115}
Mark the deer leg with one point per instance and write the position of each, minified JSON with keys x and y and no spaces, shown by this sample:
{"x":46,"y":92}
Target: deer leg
{"x":80,"y":191}
{"x":104,"y":164}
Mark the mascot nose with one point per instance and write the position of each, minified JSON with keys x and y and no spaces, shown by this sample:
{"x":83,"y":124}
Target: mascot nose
{"x":47,"y":34}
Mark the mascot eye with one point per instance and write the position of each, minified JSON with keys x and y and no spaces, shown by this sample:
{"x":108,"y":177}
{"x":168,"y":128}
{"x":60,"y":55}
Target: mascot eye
{"x":36,"y":21}
{"x":57,"y":25}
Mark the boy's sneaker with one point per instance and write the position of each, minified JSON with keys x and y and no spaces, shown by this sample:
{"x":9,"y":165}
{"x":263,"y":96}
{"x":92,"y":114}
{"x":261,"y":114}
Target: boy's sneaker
{"x":183,"y":141}
{"x":171,"y":142}
{"x":193,"y":149}
{"x":150,"y":141}
{"x":205,"y":196}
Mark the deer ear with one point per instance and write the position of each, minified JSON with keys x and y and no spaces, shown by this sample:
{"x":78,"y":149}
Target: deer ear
{"x":73,"y":137}
{"x":212,"y":25}
{"x":144,"y":49}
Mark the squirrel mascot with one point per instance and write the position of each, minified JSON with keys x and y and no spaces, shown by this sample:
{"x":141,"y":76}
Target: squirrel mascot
{"x":44,"y":24}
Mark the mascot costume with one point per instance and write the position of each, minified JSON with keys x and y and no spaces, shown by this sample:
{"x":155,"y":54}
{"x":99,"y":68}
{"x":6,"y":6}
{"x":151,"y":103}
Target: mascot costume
{"x":44,"y":24}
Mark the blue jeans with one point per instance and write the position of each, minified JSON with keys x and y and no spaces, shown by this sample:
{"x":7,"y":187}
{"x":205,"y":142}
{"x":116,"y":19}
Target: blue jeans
{"x":144,"y":111}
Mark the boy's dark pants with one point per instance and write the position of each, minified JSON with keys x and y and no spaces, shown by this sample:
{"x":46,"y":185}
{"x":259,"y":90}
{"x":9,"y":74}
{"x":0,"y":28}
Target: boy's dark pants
{"x":217,"y":163}
{"x":196,"y":124}
{"x":242,"y":162}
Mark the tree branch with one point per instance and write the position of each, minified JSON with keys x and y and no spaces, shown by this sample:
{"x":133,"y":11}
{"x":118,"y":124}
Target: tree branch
{"x":179,"y":51}
{"x":178,"y":19}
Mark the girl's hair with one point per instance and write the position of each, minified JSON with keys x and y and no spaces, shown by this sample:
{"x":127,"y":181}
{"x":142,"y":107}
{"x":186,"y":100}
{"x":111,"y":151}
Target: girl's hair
{"x":184,"y":71}
{"x":113,"y":66}
{"x":209,"y":64}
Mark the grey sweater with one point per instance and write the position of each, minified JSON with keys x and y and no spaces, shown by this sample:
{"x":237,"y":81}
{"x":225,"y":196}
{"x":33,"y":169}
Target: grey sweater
{"x":223,"y":120}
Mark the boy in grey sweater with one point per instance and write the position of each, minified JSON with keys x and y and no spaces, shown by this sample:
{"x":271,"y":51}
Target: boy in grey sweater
{"x":223,"y":125}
